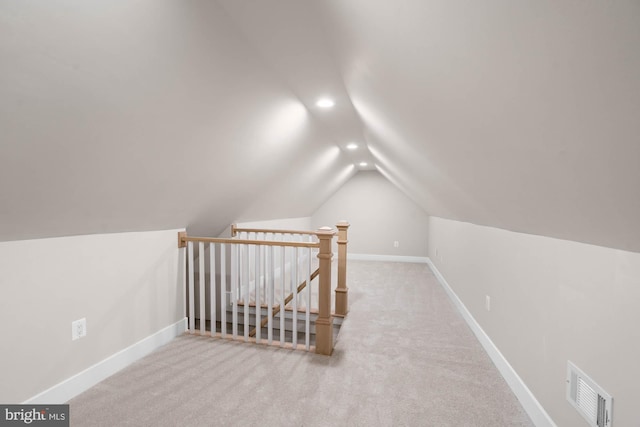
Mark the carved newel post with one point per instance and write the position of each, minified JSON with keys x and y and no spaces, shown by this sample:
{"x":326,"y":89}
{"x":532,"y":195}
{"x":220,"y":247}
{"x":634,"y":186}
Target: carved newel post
{"x":324,"y":322}
{"x":342,"y":292}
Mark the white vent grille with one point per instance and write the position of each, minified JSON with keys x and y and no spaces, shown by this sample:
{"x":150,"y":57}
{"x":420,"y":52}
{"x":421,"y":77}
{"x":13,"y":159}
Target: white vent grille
{"x":588,"y":398}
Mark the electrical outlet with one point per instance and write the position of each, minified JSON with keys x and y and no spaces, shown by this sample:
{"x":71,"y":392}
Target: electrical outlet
{"x":487,"y":302}
{"x":396,"y":244}
{"x":78,"y":328}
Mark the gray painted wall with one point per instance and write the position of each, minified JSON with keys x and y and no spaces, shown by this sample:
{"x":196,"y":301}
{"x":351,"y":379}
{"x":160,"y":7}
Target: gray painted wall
{"x":127,"y":285}
{"x":301,"y":224}
{"x":551,"y":301}
{"x":379,"y":214}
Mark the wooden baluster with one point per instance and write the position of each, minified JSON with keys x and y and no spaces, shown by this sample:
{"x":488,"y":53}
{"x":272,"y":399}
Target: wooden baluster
{"x":213,"y":288}
{"x":324,"y":322}
{"x":316,"y":295}
{"x":342,"y":292}
{"x":201,"y":280}
{"x":263,"y":269}
{"x":223,"y":290}
{"x":270,"y":265}
{"x":182,"y":235}
{"x":251,"y":268}
{"x":258,"y":250}
{"x":192,"y":297}
{"x":299,"y":261}
{"x":307,"y":318}
{"x":240,"y":263}
{"x":245,"y":285}
{"x":282,"y":295}
{"x":235,"y":249}
{"x":294,"y":292}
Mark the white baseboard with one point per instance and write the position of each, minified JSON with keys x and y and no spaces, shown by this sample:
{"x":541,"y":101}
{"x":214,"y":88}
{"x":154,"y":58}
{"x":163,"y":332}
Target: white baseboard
{"x":530,"y":404}
{"x":391,"y":258}
{"x":71,"y":387}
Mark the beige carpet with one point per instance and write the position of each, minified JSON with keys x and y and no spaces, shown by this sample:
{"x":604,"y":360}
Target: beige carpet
{"x":404,"y":356}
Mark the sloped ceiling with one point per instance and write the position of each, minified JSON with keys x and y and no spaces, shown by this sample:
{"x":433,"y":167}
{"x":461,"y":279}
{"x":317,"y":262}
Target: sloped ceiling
{"x":144,"y":115}
{"x":519,"y":115}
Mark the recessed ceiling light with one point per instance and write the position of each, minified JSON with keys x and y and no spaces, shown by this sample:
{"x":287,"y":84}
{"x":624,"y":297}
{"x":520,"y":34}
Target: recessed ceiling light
{"x":352,"y":146}
{"x":363,"y":164}
{"x":325,"y":103}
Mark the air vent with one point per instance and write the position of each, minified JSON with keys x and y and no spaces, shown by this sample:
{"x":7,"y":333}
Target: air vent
{"x":588,"y":397}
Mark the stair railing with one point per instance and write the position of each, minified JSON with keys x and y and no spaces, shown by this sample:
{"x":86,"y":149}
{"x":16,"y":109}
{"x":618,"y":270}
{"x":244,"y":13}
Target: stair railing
{"x":258,"y":266}
{"x":341,"y":307}
{"x":287,"y":300}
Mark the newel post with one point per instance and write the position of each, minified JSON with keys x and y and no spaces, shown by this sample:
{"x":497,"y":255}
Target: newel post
{"x":342,"y":292}
{"x":324,"y":322}
{"x":182,"y":239}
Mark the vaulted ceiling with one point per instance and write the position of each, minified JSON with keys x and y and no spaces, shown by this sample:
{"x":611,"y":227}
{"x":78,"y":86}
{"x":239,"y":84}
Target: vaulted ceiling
{"x":122,"y":115}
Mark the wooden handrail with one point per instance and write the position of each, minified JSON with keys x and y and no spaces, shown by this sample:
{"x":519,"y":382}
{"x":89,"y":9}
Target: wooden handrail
{"x":287,"y":300}
{"x":235,"y":230}
{"x":183,"y":239}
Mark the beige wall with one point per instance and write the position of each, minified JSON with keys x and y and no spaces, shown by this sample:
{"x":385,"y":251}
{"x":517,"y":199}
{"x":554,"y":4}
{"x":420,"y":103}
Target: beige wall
{"x":303,"y":223}
{"x":551,"y":301}
{"x":127,"y":285}
{"x":379,"y":214}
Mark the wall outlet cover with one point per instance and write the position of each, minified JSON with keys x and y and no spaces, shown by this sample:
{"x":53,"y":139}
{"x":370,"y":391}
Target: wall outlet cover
{"x":78,"y":328}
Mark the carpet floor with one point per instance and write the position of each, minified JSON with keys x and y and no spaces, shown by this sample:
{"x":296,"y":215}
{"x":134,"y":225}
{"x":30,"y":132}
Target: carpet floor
{"x":404,"y":357}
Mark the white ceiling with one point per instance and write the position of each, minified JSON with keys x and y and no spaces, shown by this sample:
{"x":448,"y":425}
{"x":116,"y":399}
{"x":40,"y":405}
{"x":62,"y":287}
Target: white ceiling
{"x":152,"y":114}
